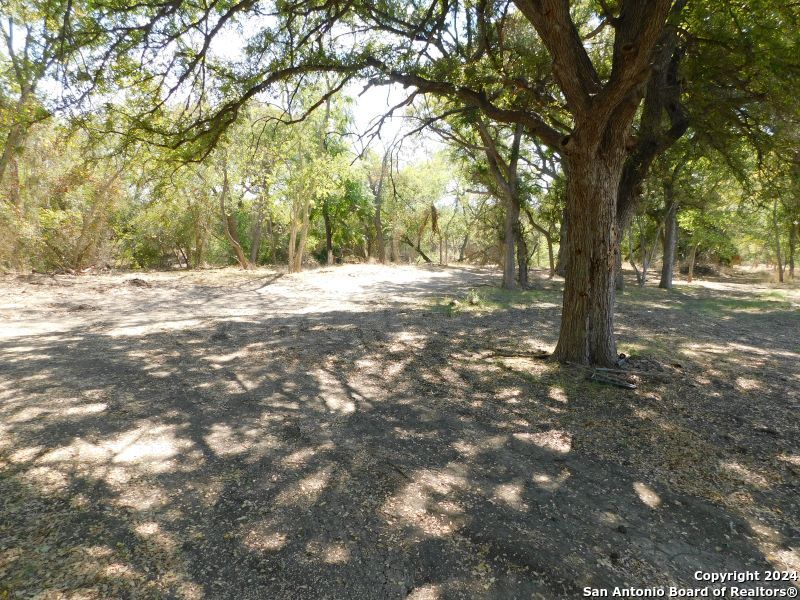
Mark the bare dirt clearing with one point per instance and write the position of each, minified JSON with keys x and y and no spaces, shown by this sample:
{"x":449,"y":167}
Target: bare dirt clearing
{"x":345,"y":433}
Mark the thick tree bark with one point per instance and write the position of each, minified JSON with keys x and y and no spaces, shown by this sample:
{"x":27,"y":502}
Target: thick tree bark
{"x":561,"y":262}
{"x":587,"y":318}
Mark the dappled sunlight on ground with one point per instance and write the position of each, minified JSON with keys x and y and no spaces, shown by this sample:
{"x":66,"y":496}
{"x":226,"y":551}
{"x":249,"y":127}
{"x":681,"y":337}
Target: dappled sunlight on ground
{"x":353,"y":432}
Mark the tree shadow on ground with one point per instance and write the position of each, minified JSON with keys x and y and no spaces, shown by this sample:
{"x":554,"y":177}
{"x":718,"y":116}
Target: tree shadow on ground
{"x":373,"y":452}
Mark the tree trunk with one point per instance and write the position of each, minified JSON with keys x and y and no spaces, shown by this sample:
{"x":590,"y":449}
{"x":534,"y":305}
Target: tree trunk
{"x":509,"y":240}
{"x":463,"y":248}
{"x":655,"y":135}
{"x":230,"y":226}
{"x":379,"y":242}
{"x":417,"y":247}
{"x":199,"y":246}
{"x":692,"y":256}
{"x":792,"y":247}
{"x":506,"y":179}
{"x":561,"y":262}
{"x":670,"y":240}
{"x":255,"y":233}
{"x":776,"y":227}
{"x":377,"y":186}
{"x":273,"y":238}
{"x":646,"y":257}
{"x":619,"y":277}
{"x":522,"y":254}
{"x":547,"y":237}
{"x":301,"y":247}
{"x":587,"y":319}
{"x":326,"y":216}
{"x":395,"y":246}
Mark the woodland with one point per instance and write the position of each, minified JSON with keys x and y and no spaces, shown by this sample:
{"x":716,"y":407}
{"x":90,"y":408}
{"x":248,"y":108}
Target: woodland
{"x":424,"y":299}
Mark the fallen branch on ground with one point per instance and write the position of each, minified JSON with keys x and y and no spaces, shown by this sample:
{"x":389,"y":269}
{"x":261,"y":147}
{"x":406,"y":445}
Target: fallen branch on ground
{"x":611,"y":380}
{"x":538,"y":354}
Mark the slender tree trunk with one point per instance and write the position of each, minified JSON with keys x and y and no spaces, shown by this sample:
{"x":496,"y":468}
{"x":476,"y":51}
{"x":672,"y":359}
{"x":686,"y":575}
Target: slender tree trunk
{"x":292,"y":244}
{"x":522,"y":255}
{"x":509,"y":242}
{"x":777,"y":229}
{"x":230,"y":225}
{"x":301,"y":247}
{"x":395,"y":246}
{"x":377,"y":186}
{"x":645,"y":256}
{"x":463,"y":248}
{"x":670,"y":241}
{"x":273,"y":238}
{"x":692,"y":256}
{"x":792,"y":247}
{"x":587,"y":319}
{"x":380,"y":245}
{"x":199,"y":246}
{"x":256,"y":230}
{"x":547,"y":237}
{"x":368,"y":240}
{"x":418,"y":248}
{"x":506,"y":178}
{"x":326,"y":216}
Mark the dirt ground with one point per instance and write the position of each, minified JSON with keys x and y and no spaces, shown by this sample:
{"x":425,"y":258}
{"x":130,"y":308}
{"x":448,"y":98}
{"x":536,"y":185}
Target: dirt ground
{"x":379,"y":432}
